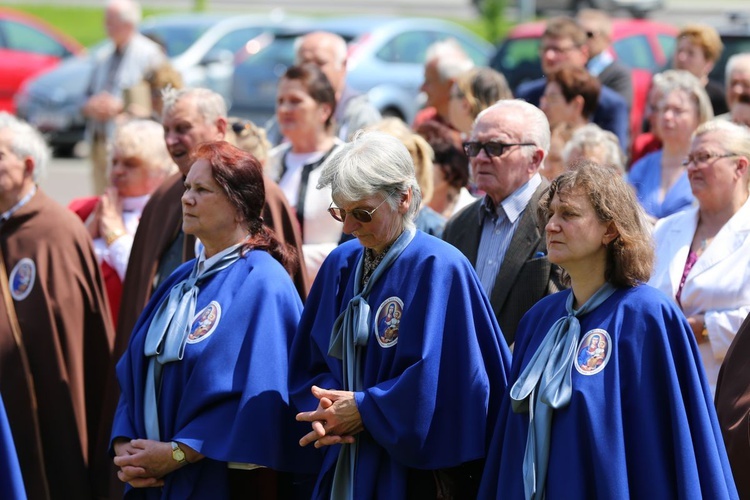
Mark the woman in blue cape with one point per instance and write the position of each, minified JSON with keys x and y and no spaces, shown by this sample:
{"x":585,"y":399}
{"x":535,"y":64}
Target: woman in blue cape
{"x":204,"y":408}
{"x":398,"y":362}
{"x":607,"y":397}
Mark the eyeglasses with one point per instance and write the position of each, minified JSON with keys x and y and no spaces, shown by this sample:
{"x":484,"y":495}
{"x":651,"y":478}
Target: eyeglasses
{"x":543,"y":49}
{"x":472,"y":148}
{"x":241,"y":126}
{"x":702,"y":158}
{"x":360,"y":214}
{"x":456,"y":94}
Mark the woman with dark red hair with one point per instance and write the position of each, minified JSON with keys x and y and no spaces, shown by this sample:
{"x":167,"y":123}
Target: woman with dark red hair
{"x":207,"y":361}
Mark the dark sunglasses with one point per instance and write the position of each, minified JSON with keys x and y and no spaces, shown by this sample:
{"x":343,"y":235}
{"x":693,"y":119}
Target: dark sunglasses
{"x":472,"y":148}
{"x":240,"y":126}
{"x":360,"y":214}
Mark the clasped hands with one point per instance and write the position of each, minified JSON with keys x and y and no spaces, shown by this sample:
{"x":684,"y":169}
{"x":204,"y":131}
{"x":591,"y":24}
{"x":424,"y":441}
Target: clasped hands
{"x":336,"y":420}
{"x":143,"y":463}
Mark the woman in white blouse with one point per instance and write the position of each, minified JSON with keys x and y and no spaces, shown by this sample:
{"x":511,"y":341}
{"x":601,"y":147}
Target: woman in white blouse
{"x":703,"y":253}
{"x":305,"y":104}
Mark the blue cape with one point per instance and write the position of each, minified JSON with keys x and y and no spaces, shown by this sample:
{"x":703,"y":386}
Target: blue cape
{"x":640,"y":424}
{"x":11,"y":481}
{"x":227,"y":398}
{"x":432,"y":385}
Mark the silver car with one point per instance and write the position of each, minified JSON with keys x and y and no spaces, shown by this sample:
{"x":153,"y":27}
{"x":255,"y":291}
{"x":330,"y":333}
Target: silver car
{"x":386,"y":60}
{"x":201,"y":46}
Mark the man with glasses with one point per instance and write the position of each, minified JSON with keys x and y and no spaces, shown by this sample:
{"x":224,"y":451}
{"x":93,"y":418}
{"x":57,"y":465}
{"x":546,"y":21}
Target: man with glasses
{"x":499,"y":233}
{"x":602,"y":62}
{"x":564,"y":43}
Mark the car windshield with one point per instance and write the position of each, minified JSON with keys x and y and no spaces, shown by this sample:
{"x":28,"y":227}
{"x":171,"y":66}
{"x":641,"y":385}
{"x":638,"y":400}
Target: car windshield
{"x":176,"y":38}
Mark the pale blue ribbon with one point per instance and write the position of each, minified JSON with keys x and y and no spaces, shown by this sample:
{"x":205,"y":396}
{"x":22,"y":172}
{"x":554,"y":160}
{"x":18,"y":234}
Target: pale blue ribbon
{"x":351,"y":332}
{"x":546,"y":385}
{"x":168,"y":332}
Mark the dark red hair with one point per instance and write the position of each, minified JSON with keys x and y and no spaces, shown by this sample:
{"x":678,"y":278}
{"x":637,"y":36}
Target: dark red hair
{"x":240,"y":176}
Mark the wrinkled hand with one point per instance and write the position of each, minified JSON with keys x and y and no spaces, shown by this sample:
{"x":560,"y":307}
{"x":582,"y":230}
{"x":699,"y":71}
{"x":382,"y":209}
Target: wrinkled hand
{"x":696,"y":323}
{"x":109,"y":213}
{"x":144,"y":463}
{"x":103,"y":106}
{"x":335,"y":421}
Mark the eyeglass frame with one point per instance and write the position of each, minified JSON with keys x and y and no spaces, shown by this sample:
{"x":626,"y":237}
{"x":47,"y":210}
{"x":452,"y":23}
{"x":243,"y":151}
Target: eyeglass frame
{"x":483,"y":146}
{"x":332,"y":211}
{"x":708,"y":157}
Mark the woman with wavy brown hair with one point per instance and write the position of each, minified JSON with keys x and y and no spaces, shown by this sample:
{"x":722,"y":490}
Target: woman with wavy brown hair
{"x":606,"y":381}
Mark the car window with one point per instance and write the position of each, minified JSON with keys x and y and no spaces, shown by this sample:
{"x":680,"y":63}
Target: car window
{"x":668,"y":44}
{"x":23,"y":37}
{"x":234,"y":40}
{"x":518,"y":60}
{"x":409,"y":47}
{"x":733,"y":44}
{"x":635,"y":51}
{"x":175,"y":39}
{"x":477,"y":55}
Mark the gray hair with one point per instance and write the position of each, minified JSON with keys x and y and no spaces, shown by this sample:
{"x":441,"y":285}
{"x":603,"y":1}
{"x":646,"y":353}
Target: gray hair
{"x":128,"y":11}
{"x":735,"y":138}
{"x":451,"y":58}
{"x":340,"y":49}
{"x":144,"y":139}
{"x":211,"y":106}
{"x":591,"y":138}
{"x":373,"y":163}
{"x":673,"y":80}
{"x":537,"y":126}
{"x":735,"y":62}
{"x":27,"y":142}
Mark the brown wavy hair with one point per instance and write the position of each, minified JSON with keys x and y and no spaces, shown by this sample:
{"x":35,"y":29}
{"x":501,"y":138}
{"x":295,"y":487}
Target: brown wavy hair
{"x":630,"y":256}
{"x":240,"y":176}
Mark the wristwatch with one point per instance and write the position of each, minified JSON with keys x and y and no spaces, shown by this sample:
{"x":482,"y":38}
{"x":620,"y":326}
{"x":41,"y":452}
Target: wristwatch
{"x":177,"y":453}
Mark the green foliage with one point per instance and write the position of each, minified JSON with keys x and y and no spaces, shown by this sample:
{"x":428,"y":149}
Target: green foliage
{"x":492,"y":12}
{"x":85,"y":24}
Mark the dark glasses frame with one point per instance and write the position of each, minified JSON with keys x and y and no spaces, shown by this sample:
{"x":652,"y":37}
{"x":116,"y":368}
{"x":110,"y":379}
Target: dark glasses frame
{"x":472,"y":148}
{"x":360,"y":214}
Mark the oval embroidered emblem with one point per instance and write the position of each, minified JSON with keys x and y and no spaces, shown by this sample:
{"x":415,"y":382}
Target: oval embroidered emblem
{"x":204,"y":323}
{"x":22,"y":278}
{"x":387,"y":321}
{"x":593,"y":352}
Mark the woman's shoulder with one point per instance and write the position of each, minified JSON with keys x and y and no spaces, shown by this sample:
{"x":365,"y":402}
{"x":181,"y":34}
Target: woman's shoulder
{"x":644,"y":164}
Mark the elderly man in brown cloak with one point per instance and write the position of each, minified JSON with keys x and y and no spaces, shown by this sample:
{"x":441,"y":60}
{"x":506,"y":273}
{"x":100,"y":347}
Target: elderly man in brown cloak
{"x":190,"y":117}
{"x":55,"y":329}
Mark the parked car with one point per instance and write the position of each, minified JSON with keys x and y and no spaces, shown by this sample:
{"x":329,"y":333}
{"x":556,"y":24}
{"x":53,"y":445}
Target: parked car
{"x":636,"y":8}
{"x":386,"y":60}
{"x":736,"y":38}
{"x":200,"y":46}
{"x":645,"y":46}
{"x":28,"y":46}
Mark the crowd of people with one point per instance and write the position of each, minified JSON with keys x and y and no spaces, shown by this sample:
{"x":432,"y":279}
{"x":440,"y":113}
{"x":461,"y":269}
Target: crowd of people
{"x":517,"y":295}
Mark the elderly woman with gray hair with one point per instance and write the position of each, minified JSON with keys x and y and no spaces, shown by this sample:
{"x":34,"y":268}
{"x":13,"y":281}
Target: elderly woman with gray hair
{"x":139,"y":163}
{"x":703,"y":254}
{"x":660,"y":178}
{"x":353,"y":375}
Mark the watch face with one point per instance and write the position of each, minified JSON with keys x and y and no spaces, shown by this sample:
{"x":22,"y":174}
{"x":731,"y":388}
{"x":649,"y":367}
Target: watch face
{"x":178,"y":454}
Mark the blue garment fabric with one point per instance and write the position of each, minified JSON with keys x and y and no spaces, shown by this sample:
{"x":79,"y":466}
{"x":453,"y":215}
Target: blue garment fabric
{"x":645,"y":177}
{"x":11,"y":480}
{"x":610,"y":114}
{"x":640,"y":425}
{"x":227,"y":398}
{"x":431,"y":387}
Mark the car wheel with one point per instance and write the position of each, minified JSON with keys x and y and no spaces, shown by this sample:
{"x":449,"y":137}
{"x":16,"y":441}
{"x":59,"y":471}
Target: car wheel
{"x":638,"y":13}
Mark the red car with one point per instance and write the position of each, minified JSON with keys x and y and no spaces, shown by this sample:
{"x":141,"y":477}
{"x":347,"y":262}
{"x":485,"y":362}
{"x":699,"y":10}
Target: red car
{"x":28,"y":46}
{"x":645,"y":46}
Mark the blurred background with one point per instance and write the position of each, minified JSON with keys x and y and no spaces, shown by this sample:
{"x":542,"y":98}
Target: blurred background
{"x":239,"y":48}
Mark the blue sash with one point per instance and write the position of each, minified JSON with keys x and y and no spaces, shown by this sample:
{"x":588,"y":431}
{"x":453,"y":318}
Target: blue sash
{"x":351,"y":331}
